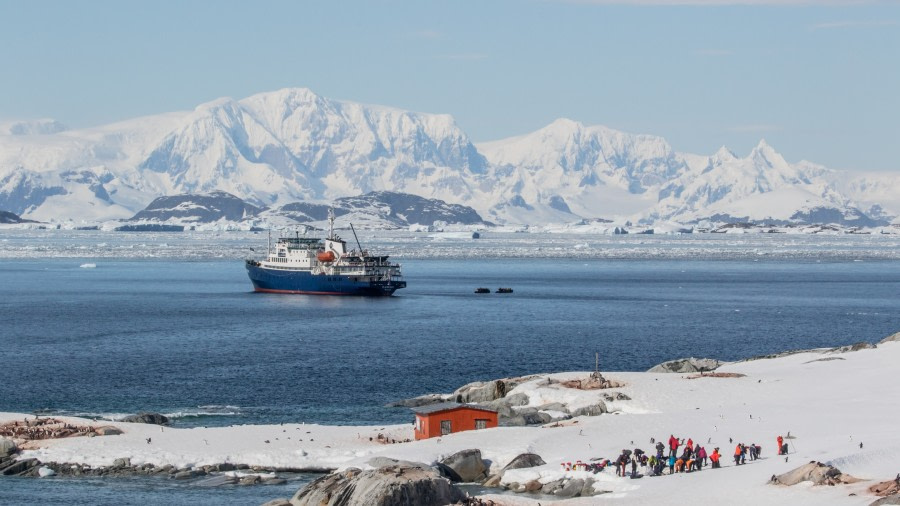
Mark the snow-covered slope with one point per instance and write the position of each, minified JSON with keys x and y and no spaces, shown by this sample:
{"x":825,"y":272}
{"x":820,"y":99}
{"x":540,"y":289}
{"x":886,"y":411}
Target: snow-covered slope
{"x":291,"y":145}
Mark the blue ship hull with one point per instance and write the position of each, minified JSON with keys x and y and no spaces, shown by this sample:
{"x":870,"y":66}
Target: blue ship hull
{"x":302,"y":282}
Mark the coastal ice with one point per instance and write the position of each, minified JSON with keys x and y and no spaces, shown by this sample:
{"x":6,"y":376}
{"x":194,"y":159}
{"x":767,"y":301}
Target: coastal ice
{"x":236,"y":244}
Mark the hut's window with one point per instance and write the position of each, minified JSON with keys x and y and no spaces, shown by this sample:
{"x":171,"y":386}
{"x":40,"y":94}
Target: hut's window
{"x":480,"y":424}
{"x":445,"y":427}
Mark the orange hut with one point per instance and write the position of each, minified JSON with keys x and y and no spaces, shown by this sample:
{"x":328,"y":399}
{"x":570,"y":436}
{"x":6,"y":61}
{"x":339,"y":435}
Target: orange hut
{"x":451,"y":417}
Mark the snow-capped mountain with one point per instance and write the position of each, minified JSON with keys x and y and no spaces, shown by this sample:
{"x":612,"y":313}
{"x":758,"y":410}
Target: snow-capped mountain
{"x":275,"y":149}
{"x":599,"y":172}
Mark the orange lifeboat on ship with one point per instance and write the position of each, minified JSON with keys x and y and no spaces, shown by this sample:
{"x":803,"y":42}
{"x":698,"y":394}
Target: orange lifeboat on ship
{"x":325,"y":256}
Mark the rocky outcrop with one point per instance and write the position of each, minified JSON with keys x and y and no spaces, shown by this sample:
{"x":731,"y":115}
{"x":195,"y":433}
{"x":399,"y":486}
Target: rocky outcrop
{"x":890,"y":338}
{"x":415,"y":402}
{"x":465,"y":466}
{"x":525,"y":460}
{"x":595,"y":381}
{"x":687,"y":365}
{"x":377,"y":462}
{"x":486,"y":391}
{"x":19,"y":467}
{"x":593,"y":410}
{"x":852,"y":347}
{"x":563,"y":488}
{"x":886,"y":488}
{"x":816,"y":472}
{"x":151,"y":418}
{"x":386,"y":486}
{"x":7,"y":447}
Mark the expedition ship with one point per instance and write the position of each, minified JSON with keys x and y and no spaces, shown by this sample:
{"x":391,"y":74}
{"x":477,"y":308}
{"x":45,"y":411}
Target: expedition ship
{"x":323,"y":267}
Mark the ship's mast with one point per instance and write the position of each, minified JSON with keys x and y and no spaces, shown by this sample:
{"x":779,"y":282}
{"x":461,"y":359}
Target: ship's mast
{"x":331,"y":223}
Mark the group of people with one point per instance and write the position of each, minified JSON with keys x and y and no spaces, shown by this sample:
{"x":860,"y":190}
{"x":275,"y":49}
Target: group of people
{"x":683,"y":457}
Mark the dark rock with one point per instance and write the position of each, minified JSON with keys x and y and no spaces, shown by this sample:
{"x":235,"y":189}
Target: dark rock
{"x":184,"y":475}
{"x":552,"y":487}
{"x":151,"y":418}
{"x":887,"y":501}
{"x":686,"y":365}
{"x":124,"y":462}
{"x":20,"y":466}
{"x":486,"y":391}
{"x":415,"y":402}
{"x":8,"y":217}
{"x":593,"y":410}
{"x":527,"y":418}
{"x":571,"y":488}
{"x":852,"y":347}
{"x":525,"y":460}
{"x":6,"y":463}
{"x":250,"y":480}
{"x":7,"y":447}
{"x":387,"y":486}
{"x":467,"y":466}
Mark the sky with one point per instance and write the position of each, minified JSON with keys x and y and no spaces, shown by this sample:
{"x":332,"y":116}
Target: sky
{"x":818,"y":80}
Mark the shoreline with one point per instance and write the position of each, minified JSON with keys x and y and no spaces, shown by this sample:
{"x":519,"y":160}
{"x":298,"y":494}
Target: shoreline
{"x":775,"y":393}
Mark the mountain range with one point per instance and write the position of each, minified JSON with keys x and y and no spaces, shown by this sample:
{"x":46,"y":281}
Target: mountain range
{"x":276,"y":149}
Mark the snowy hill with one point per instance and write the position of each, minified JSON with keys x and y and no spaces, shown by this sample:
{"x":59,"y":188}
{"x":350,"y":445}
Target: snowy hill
{"x":275,"y":149}
{"x":204,"y":208}
{"x":373,"y":210}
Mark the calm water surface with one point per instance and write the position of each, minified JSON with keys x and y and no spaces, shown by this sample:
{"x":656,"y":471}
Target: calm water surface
{"x":190,"y":338}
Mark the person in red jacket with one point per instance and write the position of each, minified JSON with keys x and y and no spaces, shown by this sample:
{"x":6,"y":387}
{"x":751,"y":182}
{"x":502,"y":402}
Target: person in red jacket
{"x":780,"y":443}
{"x":715,"y":459}
{"x":673,"y":445}
{"x":738,"y":451}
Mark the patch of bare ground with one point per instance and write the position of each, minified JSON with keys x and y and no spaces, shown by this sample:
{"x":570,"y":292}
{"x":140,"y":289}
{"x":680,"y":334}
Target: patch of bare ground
{"x":595,"y":381}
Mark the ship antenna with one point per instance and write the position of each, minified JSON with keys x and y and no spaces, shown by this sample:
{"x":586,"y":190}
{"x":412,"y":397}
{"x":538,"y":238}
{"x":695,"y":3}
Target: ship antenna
{"x":269,"y":244}
{"x":357,"y":238}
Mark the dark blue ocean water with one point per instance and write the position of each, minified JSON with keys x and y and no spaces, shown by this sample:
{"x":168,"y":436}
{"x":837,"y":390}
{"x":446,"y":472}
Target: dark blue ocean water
{"x":189,"y":338}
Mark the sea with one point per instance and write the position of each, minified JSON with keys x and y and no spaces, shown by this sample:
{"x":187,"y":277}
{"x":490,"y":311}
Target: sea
{"x":102,"y":324}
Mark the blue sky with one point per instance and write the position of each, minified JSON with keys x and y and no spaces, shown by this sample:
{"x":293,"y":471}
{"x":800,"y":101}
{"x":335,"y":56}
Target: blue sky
{"x":818,"y":80}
